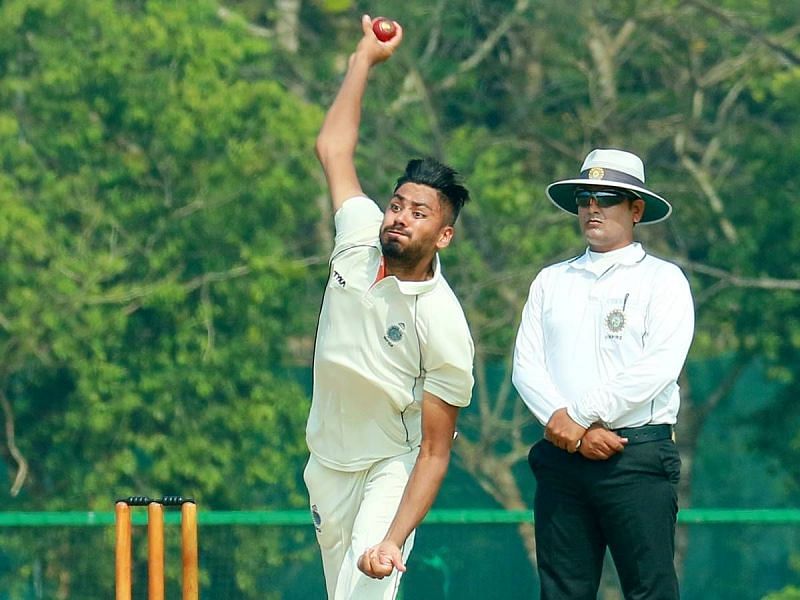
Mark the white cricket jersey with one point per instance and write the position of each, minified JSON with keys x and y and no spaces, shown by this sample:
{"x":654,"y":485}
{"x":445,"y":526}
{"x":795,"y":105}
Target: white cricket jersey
{"x":379,"y":345}
{"x":605,"y":335}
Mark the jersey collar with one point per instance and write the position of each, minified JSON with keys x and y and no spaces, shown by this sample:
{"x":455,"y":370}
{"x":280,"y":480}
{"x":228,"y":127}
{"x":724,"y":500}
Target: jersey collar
{"x":600,"y":262}
{"x":413,"y":288}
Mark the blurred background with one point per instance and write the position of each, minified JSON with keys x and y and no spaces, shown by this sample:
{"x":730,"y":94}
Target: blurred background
{"x":165,"y":228}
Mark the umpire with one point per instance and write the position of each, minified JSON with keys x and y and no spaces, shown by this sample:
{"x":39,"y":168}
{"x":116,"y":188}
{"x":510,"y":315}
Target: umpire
{"x":602,"y":340}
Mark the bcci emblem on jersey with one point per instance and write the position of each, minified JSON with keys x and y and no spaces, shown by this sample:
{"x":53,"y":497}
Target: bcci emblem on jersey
{"x":615,"y":321}
{"x":394,"y":334}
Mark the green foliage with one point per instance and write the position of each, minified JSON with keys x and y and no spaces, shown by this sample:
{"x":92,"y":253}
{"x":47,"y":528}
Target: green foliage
{"x":159,"y":182}
{"x":788,"y":593}
{"x":153,"y":282}
{"x":164,"y":227}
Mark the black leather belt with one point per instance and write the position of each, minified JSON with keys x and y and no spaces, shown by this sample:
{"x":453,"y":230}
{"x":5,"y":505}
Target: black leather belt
{"x":645,"y":433}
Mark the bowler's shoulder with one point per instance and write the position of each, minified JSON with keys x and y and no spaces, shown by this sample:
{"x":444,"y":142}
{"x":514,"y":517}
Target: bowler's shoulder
{"x":356,"y":208}
{"x":442,"y":296}
{"x":440,"y":305}
{"x":357,"y":223}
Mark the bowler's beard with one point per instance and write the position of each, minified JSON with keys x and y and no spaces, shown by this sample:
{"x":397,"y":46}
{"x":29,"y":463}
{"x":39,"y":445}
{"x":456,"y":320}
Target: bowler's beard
{"x":407,"y":256}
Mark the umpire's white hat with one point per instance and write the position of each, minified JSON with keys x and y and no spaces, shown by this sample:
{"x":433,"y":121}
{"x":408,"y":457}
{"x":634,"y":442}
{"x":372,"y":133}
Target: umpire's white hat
{"x":610,"y":168}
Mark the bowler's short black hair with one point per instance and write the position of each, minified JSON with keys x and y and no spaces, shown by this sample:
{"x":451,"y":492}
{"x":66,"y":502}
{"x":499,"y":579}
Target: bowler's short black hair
{"x":444,"y":179}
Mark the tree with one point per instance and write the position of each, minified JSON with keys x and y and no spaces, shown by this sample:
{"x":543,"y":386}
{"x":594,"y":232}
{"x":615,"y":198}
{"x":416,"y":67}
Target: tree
{"x":156,"y":276}
{"x":165,"y":229}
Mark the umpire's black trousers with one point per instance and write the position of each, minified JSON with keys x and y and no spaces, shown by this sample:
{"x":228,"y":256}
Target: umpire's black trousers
{"x":627,"y":503}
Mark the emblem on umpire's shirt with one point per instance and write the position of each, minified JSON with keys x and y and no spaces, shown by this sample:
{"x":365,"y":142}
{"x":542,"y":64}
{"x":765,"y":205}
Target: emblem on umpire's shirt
{"x":615,"y":321}
{"x":395,"y":333}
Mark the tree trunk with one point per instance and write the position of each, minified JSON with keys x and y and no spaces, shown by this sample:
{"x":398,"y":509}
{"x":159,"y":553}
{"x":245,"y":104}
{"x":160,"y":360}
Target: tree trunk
{"x":286,"y":27}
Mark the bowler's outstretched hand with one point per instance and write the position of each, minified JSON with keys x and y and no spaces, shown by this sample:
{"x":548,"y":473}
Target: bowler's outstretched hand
{"x":376,"y":50}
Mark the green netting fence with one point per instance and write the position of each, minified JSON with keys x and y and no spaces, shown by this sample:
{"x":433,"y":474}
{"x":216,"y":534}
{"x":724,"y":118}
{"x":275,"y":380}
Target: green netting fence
{"x":463,"y":554}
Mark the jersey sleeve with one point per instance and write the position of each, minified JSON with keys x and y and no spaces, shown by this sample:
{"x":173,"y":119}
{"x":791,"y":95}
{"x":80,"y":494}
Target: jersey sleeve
{"x":447,"y":360}
{"x":357,"y":222}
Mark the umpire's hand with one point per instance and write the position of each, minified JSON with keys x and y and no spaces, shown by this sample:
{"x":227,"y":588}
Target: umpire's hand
{"x":562,"y":431}
{"x":601,"y":444}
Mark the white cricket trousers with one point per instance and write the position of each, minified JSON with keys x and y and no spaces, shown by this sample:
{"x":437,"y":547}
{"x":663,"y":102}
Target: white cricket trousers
{"x":352,"y":511}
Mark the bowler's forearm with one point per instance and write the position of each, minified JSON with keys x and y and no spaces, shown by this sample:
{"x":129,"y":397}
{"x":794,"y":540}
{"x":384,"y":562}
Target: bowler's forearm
{"x":339,"y":132}
{"x":420,"y":493}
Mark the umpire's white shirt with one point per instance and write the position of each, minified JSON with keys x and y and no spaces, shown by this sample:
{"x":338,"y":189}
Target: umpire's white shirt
{"x":379,"y":345}
{"x":605,"y":335}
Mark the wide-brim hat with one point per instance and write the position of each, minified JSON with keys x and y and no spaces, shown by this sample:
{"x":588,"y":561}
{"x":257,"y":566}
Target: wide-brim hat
{"x":609,"y":168}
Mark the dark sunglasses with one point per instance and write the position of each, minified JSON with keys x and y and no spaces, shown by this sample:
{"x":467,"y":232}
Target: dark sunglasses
{"x":604,"y":198}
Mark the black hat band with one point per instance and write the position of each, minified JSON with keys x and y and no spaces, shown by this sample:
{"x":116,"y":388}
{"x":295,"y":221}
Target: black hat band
{"x":601,"y":174}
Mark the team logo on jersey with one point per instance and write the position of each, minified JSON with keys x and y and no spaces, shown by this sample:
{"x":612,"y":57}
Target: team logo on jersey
{"x":395,"y":333}
{"x":315,"y":516}
{"x":615,"y":321}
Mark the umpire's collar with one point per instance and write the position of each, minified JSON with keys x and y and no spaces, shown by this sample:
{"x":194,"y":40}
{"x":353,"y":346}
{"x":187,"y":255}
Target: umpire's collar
{"x":599,"y":262}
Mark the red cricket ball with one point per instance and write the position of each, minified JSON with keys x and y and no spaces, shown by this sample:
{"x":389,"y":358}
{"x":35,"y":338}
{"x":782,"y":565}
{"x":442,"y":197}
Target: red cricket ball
{"x":384,"y":28}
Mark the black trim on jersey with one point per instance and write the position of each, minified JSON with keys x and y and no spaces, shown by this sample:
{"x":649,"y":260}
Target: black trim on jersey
{"x":316,"y":329}
{"x":612,"y":266}
{"x":607,"y":270}
{"x":319,"y":317}
{"x":421,"y":369}
{"x":653,"y":400}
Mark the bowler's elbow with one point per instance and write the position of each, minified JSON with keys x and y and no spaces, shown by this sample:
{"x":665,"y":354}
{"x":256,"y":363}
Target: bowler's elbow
{"x":434,"y":463}
{"x":322,"y":148}
{"x":333,"y":158}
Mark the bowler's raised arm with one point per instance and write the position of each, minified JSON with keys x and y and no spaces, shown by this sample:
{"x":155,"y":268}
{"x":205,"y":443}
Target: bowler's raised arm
{"x":337,"y":140}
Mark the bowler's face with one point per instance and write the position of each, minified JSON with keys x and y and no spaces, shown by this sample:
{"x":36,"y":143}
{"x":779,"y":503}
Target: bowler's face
{"x":609,"y":228}
{"x":414,"y":224}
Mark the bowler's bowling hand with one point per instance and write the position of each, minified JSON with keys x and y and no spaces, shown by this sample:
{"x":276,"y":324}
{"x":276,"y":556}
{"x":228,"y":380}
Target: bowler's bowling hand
{"x":378,"y":561}
{"x":562,"y":431}
{"x":372,"y":48}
